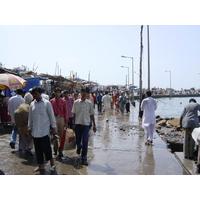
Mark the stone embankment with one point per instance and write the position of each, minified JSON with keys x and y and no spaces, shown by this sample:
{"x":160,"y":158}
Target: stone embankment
{"x":170,"y":131}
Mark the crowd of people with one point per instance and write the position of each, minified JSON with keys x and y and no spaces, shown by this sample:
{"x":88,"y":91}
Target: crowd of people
{"x":35,"y":115}
{"x":40,"y":119}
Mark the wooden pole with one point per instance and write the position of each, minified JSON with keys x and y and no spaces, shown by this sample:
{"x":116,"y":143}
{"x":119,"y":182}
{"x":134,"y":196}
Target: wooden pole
{"x":141,"y":51}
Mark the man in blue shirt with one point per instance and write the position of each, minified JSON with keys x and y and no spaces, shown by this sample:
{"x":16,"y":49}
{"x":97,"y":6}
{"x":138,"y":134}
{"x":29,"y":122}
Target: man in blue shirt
{"x":99,"y":102}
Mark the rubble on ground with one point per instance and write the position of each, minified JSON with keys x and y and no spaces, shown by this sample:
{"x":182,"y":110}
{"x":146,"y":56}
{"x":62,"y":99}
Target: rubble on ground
{"x":170,"y":131}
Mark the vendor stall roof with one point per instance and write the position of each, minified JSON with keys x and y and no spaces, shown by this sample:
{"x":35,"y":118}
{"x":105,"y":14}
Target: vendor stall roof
{"x":36,"y":78}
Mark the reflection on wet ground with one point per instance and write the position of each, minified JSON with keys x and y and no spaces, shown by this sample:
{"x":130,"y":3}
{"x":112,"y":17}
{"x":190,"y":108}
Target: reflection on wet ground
{"x":117,"y":148}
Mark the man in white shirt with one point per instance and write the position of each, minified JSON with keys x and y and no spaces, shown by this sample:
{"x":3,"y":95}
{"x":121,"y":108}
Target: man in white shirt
{"x":13,"y":104}
{"x":149,"y":105}
{"x":106,"y":100}
{"x":83,"y":114}
{"x":44,"y":95}
{"x":41,"y":116}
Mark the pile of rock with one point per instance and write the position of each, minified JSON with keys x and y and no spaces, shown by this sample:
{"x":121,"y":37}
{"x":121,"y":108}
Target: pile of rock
{"x":170,"y":131}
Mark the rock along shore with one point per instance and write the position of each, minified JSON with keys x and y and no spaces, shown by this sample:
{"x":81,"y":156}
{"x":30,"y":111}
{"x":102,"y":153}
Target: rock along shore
{"x":169,"y":130}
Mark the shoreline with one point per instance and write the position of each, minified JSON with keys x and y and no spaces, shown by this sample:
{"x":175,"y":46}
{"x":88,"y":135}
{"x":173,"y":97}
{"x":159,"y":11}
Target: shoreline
{"x":170,"y":96}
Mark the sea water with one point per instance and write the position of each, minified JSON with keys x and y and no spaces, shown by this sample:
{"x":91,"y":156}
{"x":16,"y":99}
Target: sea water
{"x":172,"y":107}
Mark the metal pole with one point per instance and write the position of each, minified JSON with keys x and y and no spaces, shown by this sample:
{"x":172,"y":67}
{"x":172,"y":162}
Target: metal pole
{"x":148,"y":58}
{"x":133,"y":82}
{"x":128,"y":78}
{"x":132,"y":78}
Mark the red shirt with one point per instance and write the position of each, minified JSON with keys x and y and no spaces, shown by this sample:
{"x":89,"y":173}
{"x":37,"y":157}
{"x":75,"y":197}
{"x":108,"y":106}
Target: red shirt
{"x":60,"y":108}
{"x":95,"y":99}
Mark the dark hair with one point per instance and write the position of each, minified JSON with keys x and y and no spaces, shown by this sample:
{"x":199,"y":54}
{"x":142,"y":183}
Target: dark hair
{"x":43,"y":90}
{"x":66,"y":92}
{"x":87,"y":90}
{"x":19,"y":91}
{"x":58,"y":89}
{"x":36,"y":89}
{"x":148,"y":93}
{"x":192,"y":100}
{"x":106,"y":92}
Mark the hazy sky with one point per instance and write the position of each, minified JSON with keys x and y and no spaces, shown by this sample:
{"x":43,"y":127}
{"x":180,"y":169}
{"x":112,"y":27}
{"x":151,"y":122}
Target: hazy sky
{"x":98,"y":49}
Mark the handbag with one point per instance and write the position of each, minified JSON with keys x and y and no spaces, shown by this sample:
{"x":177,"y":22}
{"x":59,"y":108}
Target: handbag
{"x":68,"y":140}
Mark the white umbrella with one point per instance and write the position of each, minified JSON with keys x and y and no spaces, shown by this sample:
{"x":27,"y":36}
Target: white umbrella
{"x":11,"y":81}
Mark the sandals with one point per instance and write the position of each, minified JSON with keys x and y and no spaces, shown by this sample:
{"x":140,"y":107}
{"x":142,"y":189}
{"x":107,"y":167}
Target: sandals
{"x":38,"y":169}
{"x":148,"y":142}
{"x":151,"y":143}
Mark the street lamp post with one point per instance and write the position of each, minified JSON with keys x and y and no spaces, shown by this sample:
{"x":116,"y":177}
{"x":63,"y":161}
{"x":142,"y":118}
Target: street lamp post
{"x":132,"y":78}
{"x":128,"y":74}
{"x":170,"y":79}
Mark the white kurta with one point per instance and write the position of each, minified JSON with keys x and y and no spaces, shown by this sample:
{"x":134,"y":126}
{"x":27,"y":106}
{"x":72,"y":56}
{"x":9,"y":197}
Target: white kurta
{"x":106,"y":101}
{"x":149,"y":105}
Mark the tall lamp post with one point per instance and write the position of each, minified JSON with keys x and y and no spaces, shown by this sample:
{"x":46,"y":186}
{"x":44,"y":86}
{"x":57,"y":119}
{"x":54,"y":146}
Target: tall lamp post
{"x":170,"y":79}
{"x":128,"y":74}
{"x":132,"y":78}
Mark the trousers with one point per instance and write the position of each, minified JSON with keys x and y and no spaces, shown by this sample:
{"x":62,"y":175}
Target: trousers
{"x":42,"y":147}
{"x":60,"y":124}
{"x":149,"y":131}
{"x":27,"y":142}
{"x":82,"y":134}
{"x":189,"y":143}
{"x":107,"y":113}
{"x":99,"y":104}
{"x":14,"y":136}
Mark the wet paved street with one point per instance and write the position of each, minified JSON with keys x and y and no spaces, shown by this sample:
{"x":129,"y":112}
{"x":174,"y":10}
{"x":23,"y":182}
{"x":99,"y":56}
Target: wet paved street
{"x":117,"y":148}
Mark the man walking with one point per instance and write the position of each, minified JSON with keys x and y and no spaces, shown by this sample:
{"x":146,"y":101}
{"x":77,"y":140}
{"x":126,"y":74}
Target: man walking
{"x":41,"y":116}
{"x":148,"y":106}
{"x":189,"y":120}
{"x":13,"y":104}
{"x":21,"y":120}
{"x":99,"y":102}
{"x":106,"y":100}
{"x":83,"y":114}
{"x":122,"y":102}
{"x":61,"y":114}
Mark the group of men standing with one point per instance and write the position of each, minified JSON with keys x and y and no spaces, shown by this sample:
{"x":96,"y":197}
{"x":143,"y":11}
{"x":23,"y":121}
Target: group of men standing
{"x":121,"y":102}
{"x":58,"y":113}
